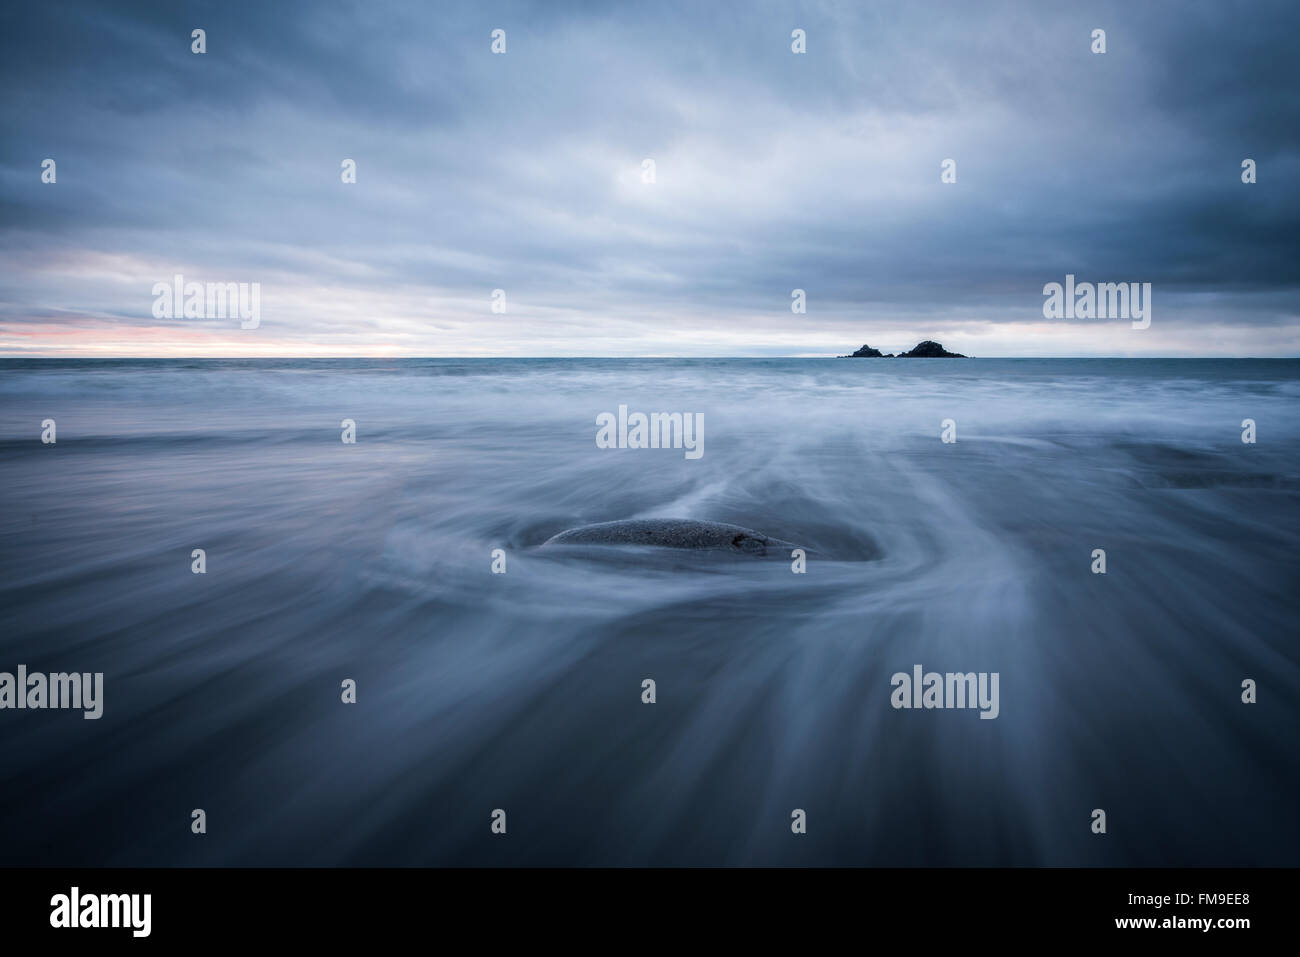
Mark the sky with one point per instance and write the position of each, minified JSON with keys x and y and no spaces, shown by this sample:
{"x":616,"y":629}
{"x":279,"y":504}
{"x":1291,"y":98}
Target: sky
{"x":523,"y":171}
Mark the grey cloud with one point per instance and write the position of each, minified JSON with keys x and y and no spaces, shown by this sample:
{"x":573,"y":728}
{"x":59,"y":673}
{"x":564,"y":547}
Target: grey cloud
{"x":775,"y":171}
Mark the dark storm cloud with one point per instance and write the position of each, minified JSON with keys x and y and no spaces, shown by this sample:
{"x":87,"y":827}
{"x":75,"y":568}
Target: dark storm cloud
{"x":775,"y":171}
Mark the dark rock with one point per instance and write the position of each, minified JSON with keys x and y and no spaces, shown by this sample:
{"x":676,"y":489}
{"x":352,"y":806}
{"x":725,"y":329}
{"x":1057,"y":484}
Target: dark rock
{"x":929,"y":349}
{"x":866,"y":352}
{"x":674,"y":533}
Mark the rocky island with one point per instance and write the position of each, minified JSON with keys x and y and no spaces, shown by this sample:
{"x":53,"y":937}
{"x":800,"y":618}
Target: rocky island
{"x":929,"y":349}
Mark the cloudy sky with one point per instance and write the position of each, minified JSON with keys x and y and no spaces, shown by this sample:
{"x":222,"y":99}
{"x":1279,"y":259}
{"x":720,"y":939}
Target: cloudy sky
{"x":773,"y":171}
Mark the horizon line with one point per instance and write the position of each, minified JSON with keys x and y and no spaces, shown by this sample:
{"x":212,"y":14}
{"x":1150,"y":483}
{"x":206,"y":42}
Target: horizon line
{"x":328,"y":358}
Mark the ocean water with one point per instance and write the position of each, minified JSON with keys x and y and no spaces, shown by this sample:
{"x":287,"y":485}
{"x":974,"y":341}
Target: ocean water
{"x":522,"y":691}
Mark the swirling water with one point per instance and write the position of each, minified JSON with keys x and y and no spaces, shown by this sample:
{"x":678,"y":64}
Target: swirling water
{"x":522,"y":691}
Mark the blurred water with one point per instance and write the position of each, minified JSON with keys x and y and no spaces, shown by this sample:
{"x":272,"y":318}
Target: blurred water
{"x":522,"y":691}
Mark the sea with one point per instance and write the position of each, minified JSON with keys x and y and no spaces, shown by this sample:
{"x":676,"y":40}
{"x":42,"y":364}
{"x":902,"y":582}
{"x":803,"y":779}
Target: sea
{"x":362,"y":653}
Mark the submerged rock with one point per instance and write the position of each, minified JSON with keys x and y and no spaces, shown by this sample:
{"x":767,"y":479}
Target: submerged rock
{"x":675,"y":533}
